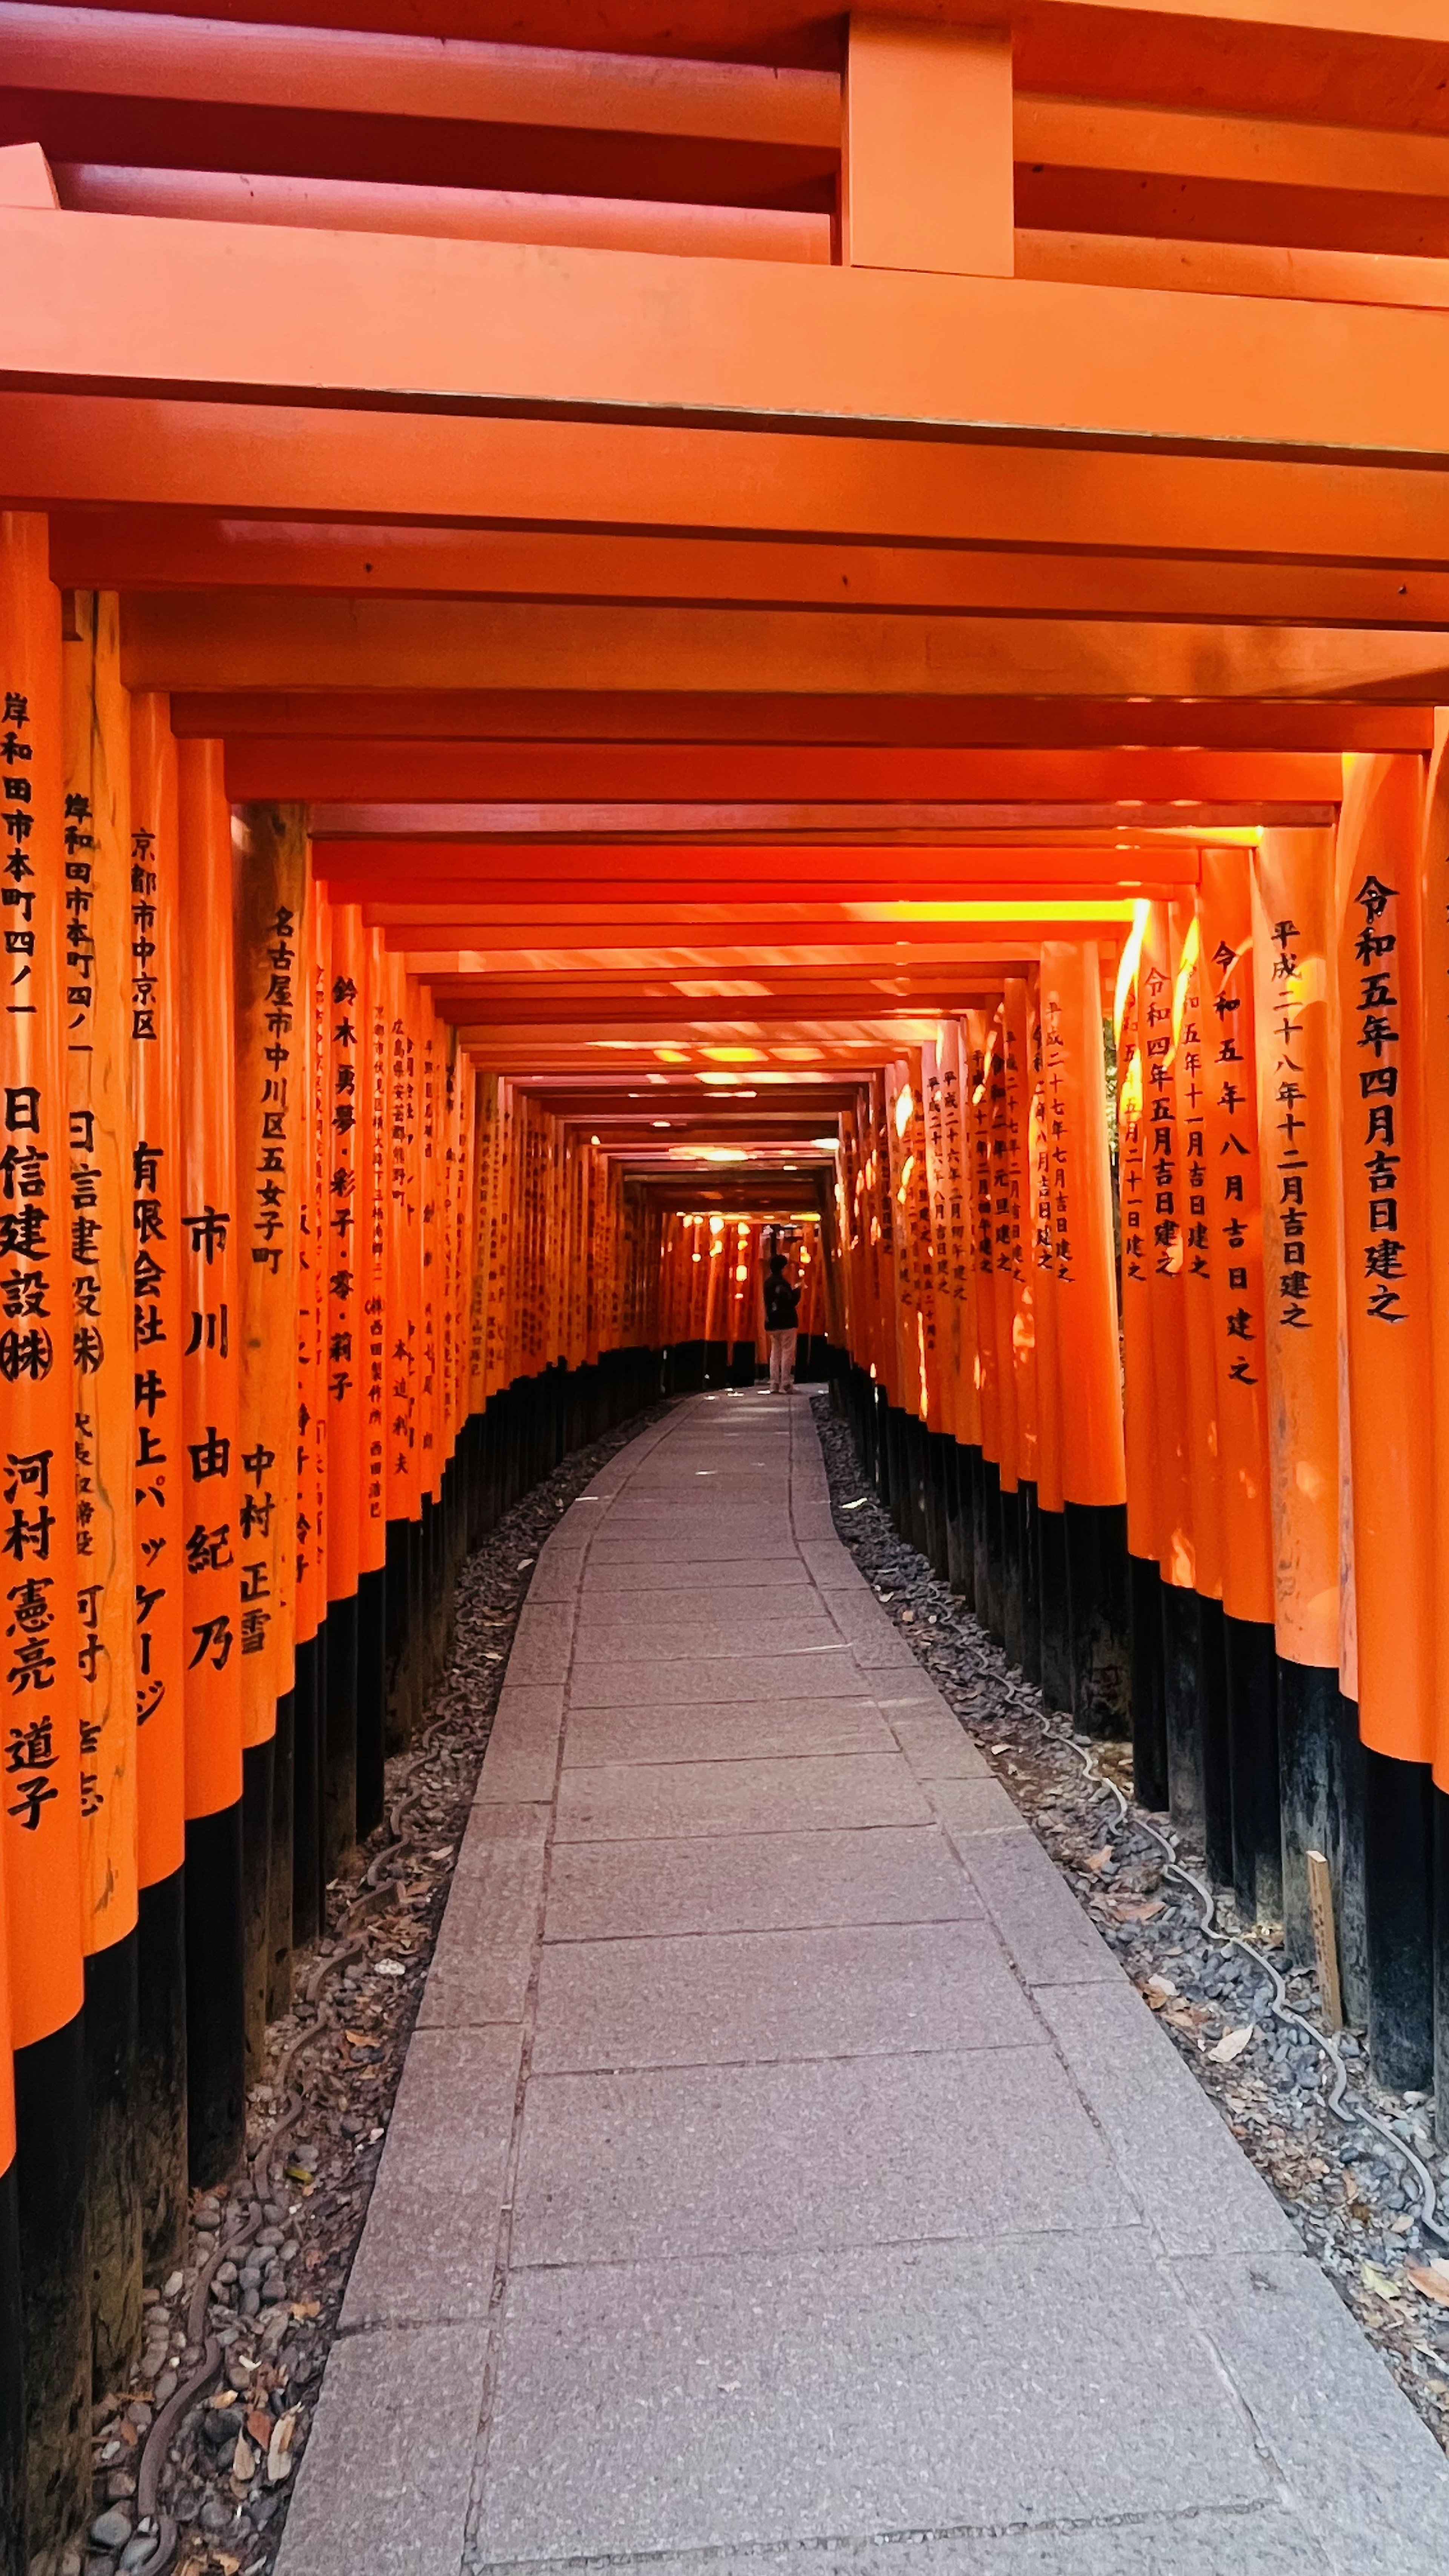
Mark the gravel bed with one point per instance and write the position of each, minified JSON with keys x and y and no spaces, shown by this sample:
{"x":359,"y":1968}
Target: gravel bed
{"x":256,"y":2304}
{"x":1355,"y":2201}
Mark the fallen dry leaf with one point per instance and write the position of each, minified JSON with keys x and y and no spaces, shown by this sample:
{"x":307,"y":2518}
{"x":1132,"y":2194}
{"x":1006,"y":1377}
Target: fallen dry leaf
{"x":1098,"y":1859}
{"x":260,"y":2427}
{"x":279,"y":2461}
{"x":1431,"y":2280}
{"x":243,"y":2461}
{"x":306,"y":2308}
{"x":1159,"y":1991}
{"x":1379,"y":2282}
{"x":1232,"y":2044}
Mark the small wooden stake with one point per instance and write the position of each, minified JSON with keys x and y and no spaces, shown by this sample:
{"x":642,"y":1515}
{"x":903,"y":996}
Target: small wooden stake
{"x":1325,"y":1937}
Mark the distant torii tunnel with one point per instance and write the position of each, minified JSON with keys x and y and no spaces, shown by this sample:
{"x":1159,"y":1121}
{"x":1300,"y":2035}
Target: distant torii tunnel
{"x":785,"y":634}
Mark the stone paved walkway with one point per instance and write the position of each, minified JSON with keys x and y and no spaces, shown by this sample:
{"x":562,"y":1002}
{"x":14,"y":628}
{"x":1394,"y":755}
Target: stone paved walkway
{"x":782,"y":2168}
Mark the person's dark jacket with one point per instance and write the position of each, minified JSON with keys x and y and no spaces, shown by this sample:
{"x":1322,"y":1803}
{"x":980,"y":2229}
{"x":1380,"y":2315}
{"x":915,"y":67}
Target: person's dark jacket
{"x":782,"y":1306}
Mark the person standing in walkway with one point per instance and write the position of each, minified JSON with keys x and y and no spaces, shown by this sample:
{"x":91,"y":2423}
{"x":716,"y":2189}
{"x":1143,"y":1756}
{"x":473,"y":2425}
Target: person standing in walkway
{"x":782,"y":1309}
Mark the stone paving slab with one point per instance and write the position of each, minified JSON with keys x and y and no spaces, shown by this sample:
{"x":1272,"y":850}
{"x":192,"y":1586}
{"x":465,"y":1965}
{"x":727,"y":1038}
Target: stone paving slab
{"x":609,"y":1681}
{"x":1051,"y":1941}
{"x":788,"y":2158}
{"x":791,"y":1730}
{"x":1190,"y":2176}
{"x":485,"y":1950}
{"x":784,"y":2174}
{"x":385,"y":2481}
{"x":628,"y":1801}
{"x":1254,"y":2540}
{"x":704,"y":2404}
{"x":701,"y":1629}
{"x":427,"y":2254}
{"x":863,"y":1989}
{"x":756,"y":1883}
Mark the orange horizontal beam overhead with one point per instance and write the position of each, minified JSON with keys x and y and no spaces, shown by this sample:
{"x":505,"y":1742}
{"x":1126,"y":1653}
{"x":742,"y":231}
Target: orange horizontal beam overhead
{"x":496,"y":951}
{"x":449,"y":213}
{"x":876,"y":824}
{"x":165,"y":550}
{"x":636,"y":716}
{"x":343,"y":70}
{"x":1279,"y":152}
{"x":737,"y":773}
{"x":1209,"y":267}
{"x":248,"y":639}
{"x":113,"y":302}
{"x":278,"y":457}
{"x":659,"y":1015}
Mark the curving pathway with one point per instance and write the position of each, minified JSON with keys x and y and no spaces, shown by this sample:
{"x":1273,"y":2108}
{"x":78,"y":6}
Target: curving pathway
{"x":783,"y":2170}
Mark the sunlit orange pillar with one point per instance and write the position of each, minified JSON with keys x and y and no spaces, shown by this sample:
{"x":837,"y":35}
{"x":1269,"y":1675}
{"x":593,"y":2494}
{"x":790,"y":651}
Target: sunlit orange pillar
{"x":1094,"y":1492}
{"x":1387,"y":1298}
{"x":960,"y":1286}
{"x":12,"y":2395}
{"x":157,"y":1458}
{"x":370,"y":1268}
{"x":1199,"y":1244}
{"x":1434,"y":885}
{"x":210,"y":1473}
{"x":1020,"y":1318}
{"x":42,"y":1767}
{"x":343,"y":1093}
{"x":97,"y":892}
{"x":1234,"y":1221}
{"x":1051,"y":1527}
{"x":310,"y":1644}
{"x":1320,"y":1756}
{"x":1139,"y":1394}
{"x":270,"y":908}
{"x":1176,"y":1549}
{"x":981,"y":1046}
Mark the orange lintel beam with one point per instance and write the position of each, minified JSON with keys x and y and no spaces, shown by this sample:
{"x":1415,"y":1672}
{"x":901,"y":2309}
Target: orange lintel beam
{"x":1191,"y":267}
{"x":870,"y":944}
{"x":139,"y":303}
{"x":711,"y":826}
{"x":633,"y":716}
{"x":545,"y":883}
{"x":1281,"y":152}
{"x":448,"y":213}
{"x":1334,"y":57}
{"x":792,"y":879}
{"x":250,"y":639}
{"x":164,"y":550}
{"x":344,"y":70}
{"x":738,"y":774}
{"x":661,"y":1014}
{"x":57,"y":448}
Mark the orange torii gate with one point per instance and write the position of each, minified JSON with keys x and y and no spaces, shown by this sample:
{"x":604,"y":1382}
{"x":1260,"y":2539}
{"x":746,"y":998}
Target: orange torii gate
{"x":886,"y":697}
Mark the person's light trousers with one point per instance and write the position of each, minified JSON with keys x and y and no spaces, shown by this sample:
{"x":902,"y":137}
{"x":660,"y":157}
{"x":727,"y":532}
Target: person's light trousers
{"x":782,"y":1360}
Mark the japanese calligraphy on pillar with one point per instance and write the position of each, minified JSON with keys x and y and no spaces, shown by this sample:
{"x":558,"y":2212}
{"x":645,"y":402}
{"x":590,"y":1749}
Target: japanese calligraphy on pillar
{"x":345,"y":1093}
{"x":271,"y":897}
{"x":1373,"y":1028}
{"x":39,"y":1764}
{"x":372,"y":1255}
{"x":98,"y":900}
{"x":210,"y":1369}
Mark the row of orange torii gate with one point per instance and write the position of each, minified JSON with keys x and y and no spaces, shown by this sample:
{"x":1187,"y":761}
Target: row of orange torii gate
{"x":295,"y":1300}
{"x":1145,"y":1292}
